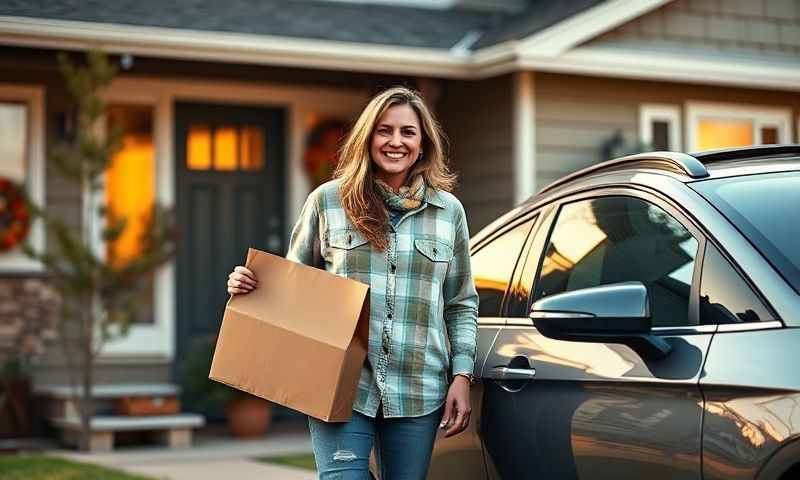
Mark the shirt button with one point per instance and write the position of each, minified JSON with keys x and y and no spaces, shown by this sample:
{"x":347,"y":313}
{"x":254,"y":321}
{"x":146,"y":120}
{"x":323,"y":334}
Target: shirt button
{"x":394,"y":268}
{"x":390,"y":316}
{"x":385,"y":348}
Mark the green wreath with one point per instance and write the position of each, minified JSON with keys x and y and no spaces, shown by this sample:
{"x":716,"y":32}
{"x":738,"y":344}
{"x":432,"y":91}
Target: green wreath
{"x":15,"y":219}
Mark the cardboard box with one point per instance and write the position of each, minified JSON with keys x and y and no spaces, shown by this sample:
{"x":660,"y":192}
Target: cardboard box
{"x":299,"y":339}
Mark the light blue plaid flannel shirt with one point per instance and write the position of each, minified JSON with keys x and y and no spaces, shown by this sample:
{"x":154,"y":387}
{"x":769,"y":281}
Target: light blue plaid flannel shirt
{"x":420,"y":288}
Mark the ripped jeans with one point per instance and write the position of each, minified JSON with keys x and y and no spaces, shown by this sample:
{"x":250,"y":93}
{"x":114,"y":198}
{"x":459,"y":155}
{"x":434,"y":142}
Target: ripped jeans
{"x":402,"y":446}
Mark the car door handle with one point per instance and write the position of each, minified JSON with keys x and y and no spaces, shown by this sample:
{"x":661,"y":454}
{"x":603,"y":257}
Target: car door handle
{"x":509,"y":373}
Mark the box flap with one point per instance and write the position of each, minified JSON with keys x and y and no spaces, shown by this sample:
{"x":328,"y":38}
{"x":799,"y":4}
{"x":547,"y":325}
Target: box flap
{"x":302,"y":299}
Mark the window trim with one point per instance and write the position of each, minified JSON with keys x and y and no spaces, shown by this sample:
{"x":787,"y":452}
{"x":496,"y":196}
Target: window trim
{"x":646,"y":195}
{"x":761,"y":116}
{"x":650,"y":112}
{"x":16,"y":261}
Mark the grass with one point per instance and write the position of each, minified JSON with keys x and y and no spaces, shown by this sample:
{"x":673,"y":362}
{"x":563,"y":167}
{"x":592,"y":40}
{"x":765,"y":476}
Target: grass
{"x":302,"y":460}
{"x":41,"y":467}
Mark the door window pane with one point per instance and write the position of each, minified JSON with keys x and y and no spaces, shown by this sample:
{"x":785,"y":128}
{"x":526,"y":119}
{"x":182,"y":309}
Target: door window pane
{"x":617,"y":239}
{"x":198,"y":147}
{"x":724,"y":295}
{"x":225,"y":148}
{"x":13,"y":141}
{"x":251,"y":148}
{"x":130,"y":190}
{"x":719,"y":133}
{"x":493,"y":266}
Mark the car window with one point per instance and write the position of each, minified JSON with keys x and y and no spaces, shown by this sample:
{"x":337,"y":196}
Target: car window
{"x":616,"y":239}
{"x":764,"y":208}
{"x":493,"y":266}
{"x":724,"y":296}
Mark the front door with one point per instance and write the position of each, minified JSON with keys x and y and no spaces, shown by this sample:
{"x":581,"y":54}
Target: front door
{"x":229,"y":170}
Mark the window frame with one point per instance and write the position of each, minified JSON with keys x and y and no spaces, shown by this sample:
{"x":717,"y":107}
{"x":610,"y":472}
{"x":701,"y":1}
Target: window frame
{"x":647,"y":195}
{"x":15,"y":261}
{"x":650,"y":112}
{"x":501,"y":230}
{"x":761,"y":116}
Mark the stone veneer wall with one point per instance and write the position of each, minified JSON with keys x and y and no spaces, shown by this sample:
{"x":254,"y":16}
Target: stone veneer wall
{"x":29,"y":311}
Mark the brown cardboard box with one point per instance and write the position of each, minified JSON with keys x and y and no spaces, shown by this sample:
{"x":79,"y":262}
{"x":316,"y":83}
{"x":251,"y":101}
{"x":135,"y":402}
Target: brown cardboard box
{"x":299,"y":339}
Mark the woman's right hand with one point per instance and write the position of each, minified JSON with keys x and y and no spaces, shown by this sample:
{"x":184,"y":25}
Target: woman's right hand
{"x":241,"y":280}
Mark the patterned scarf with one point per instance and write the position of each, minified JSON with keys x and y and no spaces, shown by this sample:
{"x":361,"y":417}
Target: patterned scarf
{"x":408,"y":198}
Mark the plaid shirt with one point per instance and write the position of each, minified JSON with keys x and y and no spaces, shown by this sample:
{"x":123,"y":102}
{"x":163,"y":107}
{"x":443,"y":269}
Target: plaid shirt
{"x":420,"y":286}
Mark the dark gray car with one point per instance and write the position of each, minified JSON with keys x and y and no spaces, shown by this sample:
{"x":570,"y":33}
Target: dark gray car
{"x":640,"y":319}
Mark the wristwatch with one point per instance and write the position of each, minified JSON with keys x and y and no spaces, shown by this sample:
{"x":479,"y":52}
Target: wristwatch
{"x":470,"y":377}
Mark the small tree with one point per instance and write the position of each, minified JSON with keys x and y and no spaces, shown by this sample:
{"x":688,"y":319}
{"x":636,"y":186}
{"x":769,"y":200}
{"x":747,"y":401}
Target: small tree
{"x":99,"y":296}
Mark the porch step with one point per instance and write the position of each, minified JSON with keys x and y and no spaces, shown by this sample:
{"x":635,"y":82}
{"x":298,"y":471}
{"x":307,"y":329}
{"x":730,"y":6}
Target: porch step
{"x":175,"y":431}
{"x":109,"y":391}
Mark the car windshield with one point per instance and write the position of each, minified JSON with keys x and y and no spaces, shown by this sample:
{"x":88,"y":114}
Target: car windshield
{"x":766,"y":209}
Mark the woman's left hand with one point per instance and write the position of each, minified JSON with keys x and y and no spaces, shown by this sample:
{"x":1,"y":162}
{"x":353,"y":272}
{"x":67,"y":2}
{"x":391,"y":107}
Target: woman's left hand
{"x":457,"y":405}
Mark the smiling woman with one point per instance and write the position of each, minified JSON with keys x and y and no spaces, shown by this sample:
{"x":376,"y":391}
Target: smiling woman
{"x":388,"y":219}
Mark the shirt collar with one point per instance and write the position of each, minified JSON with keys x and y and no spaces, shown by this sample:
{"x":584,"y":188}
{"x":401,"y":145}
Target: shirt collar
{"x":432,"y":197}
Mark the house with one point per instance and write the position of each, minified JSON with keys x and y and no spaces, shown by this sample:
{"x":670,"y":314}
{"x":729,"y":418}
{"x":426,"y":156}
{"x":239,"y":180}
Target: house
{"x":221,"y":106}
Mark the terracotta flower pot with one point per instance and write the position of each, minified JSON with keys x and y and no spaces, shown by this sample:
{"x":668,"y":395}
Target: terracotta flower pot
{"x":248,"y":416}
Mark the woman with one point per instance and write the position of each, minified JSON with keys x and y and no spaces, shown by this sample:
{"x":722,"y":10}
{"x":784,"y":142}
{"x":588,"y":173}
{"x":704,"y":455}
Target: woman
{"x":388,"y":220}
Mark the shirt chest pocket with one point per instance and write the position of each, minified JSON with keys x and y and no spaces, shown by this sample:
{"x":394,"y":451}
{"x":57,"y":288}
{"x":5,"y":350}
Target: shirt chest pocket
{"x":430,"y":259}
{"x":347,"y":252}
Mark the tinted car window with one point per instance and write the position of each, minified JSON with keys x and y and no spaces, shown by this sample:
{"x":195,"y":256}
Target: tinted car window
{"x":493,"y":266}
{"x":617,"y":239}
{"x":724,"y":295}
{"x":764,"y":208}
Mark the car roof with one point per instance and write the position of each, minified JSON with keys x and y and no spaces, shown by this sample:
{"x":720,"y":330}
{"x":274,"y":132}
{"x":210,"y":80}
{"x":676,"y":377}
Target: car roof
{"x":683,"y":167}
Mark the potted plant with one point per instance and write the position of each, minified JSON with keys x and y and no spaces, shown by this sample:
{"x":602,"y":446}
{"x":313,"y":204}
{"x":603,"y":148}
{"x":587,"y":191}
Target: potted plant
{"x":247,"y":415}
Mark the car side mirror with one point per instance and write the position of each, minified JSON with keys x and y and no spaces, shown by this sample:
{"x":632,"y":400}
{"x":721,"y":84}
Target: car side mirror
{"x":615,"y":313}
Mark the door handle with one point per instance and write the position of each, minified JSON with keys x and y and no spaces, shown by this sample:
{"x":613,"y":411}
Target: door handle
{"x":510,"y":373}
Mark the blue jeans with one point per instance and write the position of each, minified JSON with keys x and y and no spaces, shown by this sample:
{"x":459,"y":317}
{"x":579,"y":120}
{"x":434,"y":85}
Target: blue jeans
{"x":402,"y":446}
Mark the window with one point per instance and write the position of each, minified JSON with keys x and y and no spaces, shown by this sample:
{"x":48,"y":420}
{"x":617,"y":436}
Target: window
{"x":130,"y":191}
{"x":493,"y":266}
{"x":724,"y":295}
{"x":225,"y":148}
{"x":660,"y":127}
{"x":22,"y":162}
{"x":617,"y":239}
{"x":713,"y":126}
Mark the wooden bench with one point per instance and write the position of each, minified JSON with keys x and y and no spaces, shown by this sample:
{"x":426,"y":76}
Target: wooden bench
{"x":62,"y":411}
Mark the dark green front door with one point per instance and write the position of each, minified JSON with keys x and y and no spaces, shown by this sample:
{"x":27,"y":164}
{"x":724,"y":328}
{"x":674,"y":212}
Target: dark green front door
{"x":229,"y":171}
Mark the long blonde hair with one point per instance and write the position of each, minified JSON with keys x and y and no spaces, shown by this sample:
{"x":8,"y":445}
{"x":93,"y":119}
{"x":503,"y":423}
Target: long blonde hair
{"x":360,"y":199}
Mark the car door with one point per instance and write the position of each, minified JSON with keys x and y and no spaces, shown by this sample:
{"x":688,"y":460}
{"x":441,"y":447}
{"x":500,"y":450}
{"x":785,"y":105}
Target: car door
{"x":601,"y":410}
{"x":493,"y":263}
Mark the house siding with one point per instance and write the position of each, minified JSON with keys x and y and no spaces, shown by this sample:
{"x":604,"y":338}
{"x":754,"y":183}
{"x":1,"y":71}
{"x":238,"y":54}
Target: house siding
{"x":575,"y":115}
{"x":477,"y":117}
{"x":726,"y":26}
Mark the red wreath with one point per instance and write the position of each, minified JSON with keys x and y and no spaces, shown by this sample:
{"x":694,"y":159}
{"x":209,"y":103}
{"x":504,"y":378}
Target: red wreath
{"x":15,"y":219}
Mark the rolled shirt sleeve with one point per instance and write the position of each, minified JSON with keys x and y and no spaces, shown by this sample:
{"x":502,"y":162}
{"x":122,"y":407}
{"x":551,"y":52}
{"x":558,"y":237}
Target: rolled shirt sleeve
{"x":304,"y":244}
{"x":461,"y":302}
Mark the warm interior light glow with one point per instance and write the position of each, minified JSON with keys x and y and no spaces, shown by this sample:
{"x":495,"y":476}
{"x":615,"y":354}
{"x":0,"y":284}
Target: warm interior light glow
{"x":225,"y":145}
{"x":251,"y":148}
{"x":130,"y":191}
{"x":198,"y":147}
{"x":491,"y":266}
{"x":716,"y":133}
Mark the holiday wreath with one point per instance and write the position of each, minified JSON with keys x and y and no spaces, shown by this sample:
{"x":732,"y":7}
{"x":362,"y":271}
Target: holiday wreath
{"x":15,"y":219}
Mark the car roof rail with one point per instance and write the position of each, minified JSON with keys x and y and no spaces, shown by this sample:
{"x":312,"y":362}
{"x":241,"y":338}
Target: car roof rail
{"x":672,"y":161}
{"x":710,"y":156}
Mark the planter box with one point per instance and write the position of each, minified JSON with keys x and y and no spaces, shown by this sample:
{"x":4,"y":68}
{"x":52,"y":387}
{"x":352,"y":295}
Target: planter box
{"x":148,"y":405}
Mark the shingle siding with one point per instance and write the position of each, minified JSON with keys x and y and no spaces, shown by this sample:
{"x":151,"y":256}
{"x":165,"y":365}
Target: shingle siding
{"x":476,"y":115}
{"x":728,"y":26}
{"x":575,"y":115}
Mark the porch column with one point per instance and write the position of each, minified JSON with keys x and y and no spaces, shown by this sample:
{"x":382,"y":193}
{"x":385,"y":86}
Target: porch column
{"x":523,"y":136}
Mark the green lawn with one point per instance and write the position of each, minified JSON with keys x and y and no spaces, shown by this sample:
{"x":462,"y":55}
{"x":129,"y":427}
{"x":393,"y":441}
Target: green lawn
{"x":303,"y":460}
{"x":40,"y":467}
